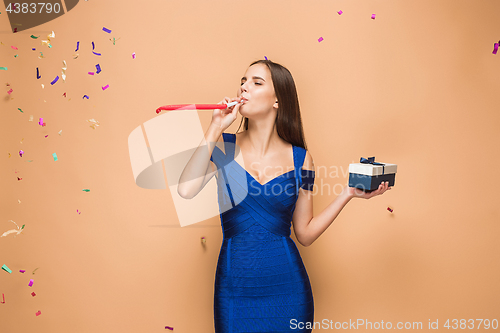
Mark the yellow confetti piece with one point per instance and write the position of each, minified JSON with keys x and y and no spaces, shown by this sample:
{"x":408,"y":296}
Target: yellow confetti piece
{"x":31,"y":118}
{"x":35,"y":270}
{"x":94,"y":123}
{"x":18,"y":201}
{"x":60,"y":132}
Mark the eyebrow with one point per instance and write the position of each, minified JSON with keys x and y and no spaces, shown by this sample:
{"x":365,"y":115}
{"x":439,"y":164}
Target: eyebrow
{"x":254,"y":77}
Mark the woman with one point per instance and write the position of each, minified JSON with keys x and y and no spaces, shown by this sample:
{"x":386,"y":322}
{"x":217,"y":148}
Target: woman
{"x":261,"y":284}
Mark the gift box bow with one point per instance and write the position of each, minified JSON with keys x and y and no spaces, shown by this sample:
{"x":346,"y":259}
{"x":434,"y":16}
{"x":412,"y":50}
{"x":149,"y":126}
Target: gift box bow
{"x":371,"y":160}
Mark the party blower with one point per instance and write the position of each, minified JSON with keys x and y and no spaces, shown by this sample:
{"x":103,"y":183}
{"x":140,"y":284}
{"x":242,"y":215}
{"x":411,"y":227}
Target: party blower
{"x":195,"y":106}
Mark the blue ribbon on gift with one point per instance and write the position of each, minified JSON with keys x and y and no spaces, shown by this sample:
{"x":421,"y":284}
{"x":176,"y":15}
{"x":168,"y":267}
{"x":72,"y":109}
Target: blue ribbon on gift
{"x":371,"y":160}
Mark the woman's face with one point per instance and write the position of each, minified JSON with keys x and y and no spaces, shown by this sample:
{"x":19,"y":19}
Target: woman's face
{"x":258,"y":91}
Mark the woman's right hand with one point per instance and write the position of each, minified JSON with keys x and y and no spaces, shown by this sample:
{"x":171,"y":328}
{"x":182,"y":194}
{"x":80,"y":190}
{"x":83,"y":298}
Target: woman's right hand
{"x":223,"y":118}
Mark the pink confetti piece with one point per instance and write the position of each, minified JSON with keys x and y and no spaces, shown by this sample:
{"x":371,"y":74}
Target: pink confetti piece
{"x":107,"y":30}
{"x":22,"y":270}
{"x":91,"y":73}
{"x":495,"y":48}
{"x":169,"y":328}
{"x":373,"y":16}
{"x":3,"y":296}
{"x":10,"y":91}
{"x":15,"y":48}
{"x":133,"y":55}
{"x":40,"y":122}
{"x":21,"y":153}
{"x":105,"y":87}
{"x":320,"y":39}
{"x":389,"y":209}
{"x":38,"y":313}
{"x":33,"y":294}
{"x":31,"y":283}
{"x":340,"y":12}
{"x":78,"y":211}
{"x":47,"y":135}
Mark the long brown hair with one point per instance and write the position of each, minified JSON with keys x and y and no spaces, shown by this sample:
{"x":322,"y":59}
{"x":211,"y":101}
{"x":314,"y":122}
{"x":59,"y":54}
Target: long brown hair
{"x":288,"y":120}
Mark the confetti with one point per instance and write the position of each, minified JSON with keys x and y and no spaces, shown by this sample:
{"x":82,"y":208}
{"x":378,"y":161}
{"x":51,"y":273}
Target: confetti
{"x":77,"y":46}
{"x":31,"y":283}
{"x":495,"y":47}
{"x":3,"y":296}
{"x":21,"y":153}
{"x":5,"y":68}
{"x":133,"y":57}
{"x":93,"y":47}
{"x":339,"y":12}
{"x":203,"y":240}
{"x":63,"y":73}
{"x":40,"y":122}
{"x":7,"y":269}
{"x":54,"y":155}
{"x":78,"y":211}
{"x":37,"y":73}
{"x":19,"y":178}
{"x":265,"y":57}
{"x":169,"y":328}
{"x":60,"y":132}
{"x":94,"y":123}
{"x":98,"y":68}
{"x":389,"y":209}
{"x":35,"y":270}
{"x":10,"y":91}
{"x":320,"y":39}
{"x":107,"y":30}
{"x":15,"y":48}
{"x":91,"y":73}
{"x":33,"y":294}
{"x":373,"y":16}
{"x":47,"y":135}
{"x":34,"y":37}
{"x":22,"y":270}
{"x":105,"y":87}
{"x":86,"y":96}
{"x":38,"y":313}
{"x":17,"y":231}
{"x":55,"y":80}
{"x":31,"y":118}
{"x":20,"y":110}
{"x":86,"y":190}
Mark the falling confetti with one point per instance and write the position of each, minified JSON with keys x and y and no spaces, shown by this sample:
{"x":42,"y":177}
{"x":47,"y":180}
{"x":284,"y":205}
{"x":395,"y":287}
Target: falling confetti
{"x":495,"y":47}
{"x":107,"y":30}
{"x":54,"y":155}
{"x":91,"y":73}
{"x":133,"y":57}
{"x":10,"y":91}
{"x":105,"y":87}
{"x":389,"y":209}
{"x":20,"y":110}
{"x":265,"y":57}
{"x":35,"y":270}
{"x":7,"y":269}
{"x":85,"y":96}
{"x":169,"y":328}
{"x":5,"y":68}
{"x":86,"y":190}
{"x":339,"y":12}
{"x":3,"y":296}
{"x":94,"y":123}
{"x":21,"y":153}
{"x":77,"y":46}
{"x":40,"y":122}
{"x":38,"y":313}
{"x":22,"y":270}
{"x":203,"y":240}
{"x":55,"y":80}
{"x":38,"y":76}
{"x":78,"y":211}
{"x":60,"y":132}
{"x":320,"y":39}
{"x":98,"y":68}
{"x":31,"y":118}
{"x":373,"y":16}
{"x":63,"y":73}
{"x":93,"y":47}
{"x":31,"y":283}
{"x":33,"y":294}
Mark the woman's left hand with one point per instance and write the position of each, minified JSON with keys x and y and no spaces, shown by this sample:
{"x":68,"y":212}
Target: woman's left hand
{"x":353,"y":192}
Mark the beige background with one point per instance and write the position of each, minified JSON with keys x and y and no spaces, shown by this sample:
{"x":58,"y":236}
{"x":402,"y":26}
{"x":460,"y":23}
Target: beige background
{"x":418,"y":86}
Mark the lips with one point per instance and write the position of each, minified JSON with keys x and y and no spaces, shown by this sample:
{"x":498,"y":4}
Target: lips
{"x":244,"y":99}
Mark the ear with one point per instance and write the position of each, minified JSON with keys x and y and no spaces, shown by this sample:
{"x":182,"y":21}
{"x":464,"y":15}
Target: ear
{"x":276,"y":105}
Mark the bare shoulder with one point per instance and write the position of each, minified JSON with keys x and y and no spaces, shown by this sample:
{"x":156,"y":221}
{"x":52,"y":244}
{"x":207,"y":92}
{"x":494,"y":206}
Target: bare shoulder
{"x":308,"y":162}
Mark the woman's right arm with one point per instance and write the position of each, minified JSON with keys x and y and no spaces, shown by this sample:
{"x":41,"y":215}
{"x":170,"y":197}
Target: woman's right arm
{"x":199,"y":170}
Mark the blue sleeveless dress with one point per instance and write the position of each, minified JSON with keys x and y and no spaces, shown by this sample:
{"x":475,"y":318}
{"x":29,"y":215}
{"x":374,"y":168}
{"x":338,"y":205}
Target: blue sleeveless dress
{"x":261,"y":284}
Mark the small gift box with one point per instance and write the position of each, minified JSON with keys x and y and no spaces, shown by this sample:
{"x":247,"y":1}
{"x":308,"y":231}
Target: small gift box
{"x":368,"y":174}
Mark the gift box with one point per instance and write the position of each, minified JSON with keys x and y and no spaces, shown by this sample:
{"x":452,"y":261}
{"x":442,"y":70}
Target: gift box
{"x":368,"y":174}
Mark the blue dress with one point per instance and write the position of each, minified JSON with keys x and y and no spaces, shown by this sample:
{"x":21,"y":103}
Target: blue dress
{"x":261,"y":284}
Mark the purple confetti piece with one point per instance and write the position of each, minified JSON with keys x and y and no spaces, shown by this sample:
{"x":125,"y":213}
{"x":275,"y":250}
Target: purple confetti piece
{"x":22,"y":270}
{"x":91,"y":73}
{"x":37,"y":73}
{"x":265,"y":57}
{"x":98,"y":68}
{"x":31,"y":283}
{"x":169,"y":328}
{"x":340,"y":12}
{"x":133,"y":55}
{"x":77,"y":46}
{"x":96,"y":53}
{"x":21,"y":153}
{"x":93,"y":47}
{"x":107,"y":30}
{"x":495,"y":48}
{"x":85,"y":96}
{"x":33,"y":49}
{"x":373,"y":16}
{"x":320,"y":39}
{"x":40,"y":122}
{"x":105,"y":87}
{"x":55,"y":80}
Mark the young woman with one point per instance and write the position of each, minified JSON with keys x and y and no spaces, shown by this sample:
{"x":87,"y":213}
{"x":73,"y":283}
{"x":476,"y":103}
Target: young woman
{"x":261,"y":284}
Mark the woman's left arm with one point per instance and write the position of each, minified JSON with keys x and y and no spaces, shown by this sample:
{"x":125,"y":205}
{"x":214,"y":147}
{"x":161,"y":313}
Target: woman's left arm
{"x":308,"y":228}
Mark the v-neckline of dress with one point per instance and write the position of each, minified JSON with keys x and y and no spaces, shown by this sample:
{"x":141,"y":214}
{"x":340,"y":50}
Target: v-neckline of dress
{"x":271,"y":180}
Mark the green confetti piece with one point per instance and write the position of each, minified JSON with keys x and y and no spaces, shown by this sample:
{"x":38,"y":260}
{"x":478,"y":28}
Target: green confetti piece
{"x":20,"y":110}
{"x":34,"y":37}
{"x":7,"y":269}
{"x":50,"y":46}
{"x":29,"y":161}
{"x":15,"y":56}
{"x":3,"y":68}
{"x":55,"y":156}
{"x":86,"y":190}
{"x":23,"y":226}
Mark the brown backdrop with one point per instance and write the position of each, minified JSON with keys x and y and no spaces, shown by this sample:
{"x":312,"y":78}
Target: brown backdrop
{"x":418,"y":86}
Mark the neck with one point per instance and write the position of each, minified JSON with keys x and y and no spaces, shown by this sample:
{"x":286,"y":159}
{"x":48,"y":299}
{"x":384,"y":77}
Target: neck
{"x":261,"y":136}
